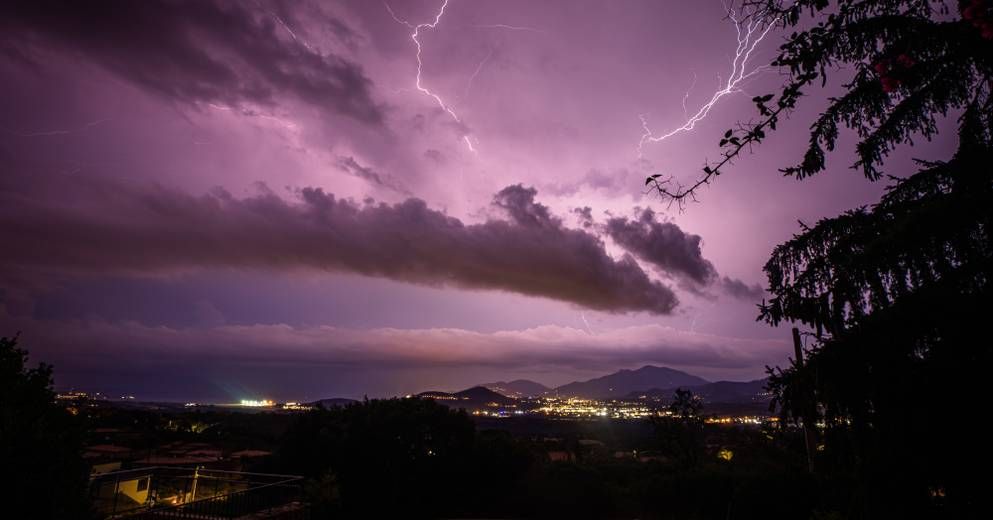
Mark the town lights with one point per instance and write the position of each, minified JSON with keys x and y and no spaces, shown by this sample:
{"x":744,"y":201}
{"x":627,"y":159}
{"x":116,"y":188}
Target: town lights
{"x":256,"y":404}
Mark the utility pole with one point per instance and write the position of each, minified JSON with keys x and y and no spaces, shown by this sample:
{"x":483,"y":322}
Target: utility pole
{"x":196,"y":475}
{"x":807,"y":414}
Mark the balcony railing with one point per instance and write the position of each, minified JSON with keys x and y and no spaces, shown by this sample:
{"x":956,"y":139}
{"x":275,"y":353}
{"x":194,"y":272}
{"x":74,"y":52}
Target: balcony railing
{"x":168,"y":492}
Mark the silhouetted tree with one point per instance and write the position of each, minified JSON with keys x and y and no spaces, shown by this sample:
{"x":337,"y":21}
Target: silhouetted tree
{"x":680,"y":435}
{"x":40,"y":443}
{"x":896,"y":294}
{"x":912,"y":62}
{"x":685,"y":405}
{"x":382,"y":456}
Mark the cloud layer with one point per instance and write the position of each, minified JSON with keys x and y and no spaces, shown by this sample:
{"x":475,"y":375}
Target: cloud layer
{"x":74,"y":225}
{"x":194,"y":51}
{"x":201,"y":93}
{"x":281,"y":353}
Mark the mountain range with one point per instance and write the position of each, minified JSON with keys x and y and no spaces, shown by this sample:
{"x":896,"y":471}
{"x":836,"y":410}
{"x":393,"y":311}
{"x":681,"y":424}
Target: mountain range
{"x":649,"y":381}
{"x":646,"y":382}
{"x":623,"y":382}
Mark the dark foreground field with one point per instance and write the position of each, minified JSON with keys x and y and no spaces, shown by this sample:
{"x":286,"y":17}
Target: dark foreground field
{"x":420,"y":459}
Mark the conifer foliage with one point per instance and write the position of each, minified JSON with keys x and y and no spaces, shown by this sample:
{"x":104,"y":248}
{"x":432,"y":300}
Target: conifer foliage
{"x":895,"y":295}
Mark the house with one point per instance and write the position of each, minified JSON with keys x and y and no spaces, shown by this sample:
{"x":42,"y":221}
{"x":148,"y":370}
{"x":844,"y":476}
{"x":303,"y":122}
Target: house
{"x":561,"y":456}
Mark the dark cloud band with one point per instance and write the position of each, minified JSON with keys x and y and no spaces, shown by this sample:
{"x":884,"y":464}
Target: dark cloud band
{"x":671,"y":250}
{"x":77,"y":225}
{"x":192,"y":51}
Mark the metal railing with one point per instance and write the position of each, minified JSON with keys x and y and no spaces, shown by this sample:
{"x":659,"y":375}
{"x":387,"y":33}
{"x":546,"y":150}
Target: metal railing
{"x":167,"y":492}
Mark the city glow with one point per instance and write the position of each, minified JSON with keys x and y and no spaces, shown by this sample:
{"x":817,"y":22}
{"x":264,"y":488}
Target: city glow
{"x":590,"y":409}
{"x":256,"y":404}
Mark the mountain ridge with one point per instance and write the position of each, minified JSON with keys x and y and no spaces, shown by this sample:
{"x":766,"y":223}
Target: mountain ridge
{"x":624,"y":382}
{"x":474,"y":397}
{"x":518,"y":388}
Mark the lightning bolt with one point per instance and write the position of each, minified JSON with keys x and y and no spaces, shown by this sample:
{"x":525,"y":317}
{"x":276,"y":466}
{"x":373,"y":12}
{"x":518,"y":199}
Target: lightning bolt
{"x":286,"y":27}
{"x":686,"y":96}
{"x":588,"y":328}
{"x":472,"y":78}
{"x":53,"y":133}
{"x":749,"y":38}
{"x":509,"y":27}
{"x":418,"y":83}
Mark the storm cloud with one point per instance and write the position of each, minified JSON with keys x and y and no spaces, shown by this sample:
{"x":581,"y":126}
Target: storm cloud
{"x":75,"y":225}
{"x":192,"y":51}
{"x":662,"y":244}
{"x":673,"y":251}
{"x":200,"y":93}
{"x":741,"y":290}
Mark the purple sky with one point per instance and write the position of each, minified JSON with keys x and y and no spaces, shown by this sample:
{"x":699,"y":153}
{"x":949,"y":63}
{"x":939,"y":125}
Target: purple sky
{"x":219,"y":201}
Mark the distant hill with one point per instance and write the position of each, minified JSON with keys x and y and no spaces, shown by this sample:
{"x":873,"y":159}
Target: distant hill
{"x":332,"y":402}
{"x":477,"y":397}
{"x":480,"y":393}
{"x":518,"y":388}
{"x":624,"y":382}
{"x":717,"y":392}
